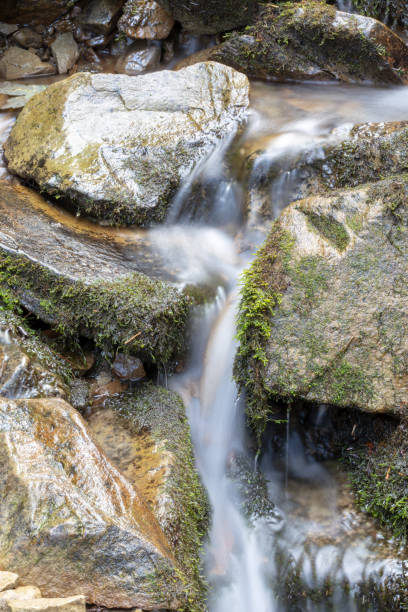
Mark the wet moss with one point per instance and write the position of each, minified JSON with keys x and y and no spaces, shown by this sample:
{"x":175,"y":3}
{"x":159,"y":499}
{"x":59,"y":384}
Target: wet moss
{"x":331,"y":229}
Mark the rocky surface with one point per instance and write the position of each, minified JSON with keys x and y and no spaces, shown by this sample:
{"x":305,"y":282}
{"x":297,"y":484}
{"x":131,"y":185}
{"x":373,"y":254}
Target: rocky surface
{"x":65,"y":51}
{"x":56,"y":604}
{"x":8,"y":580}
{"x":17,"y":95}
{"x":146,"y":436}
{"x":81,"y":525}
{"x":100,"y":15}
{"x":138,"y":58}
{"x":26,"y":37}
{"x":211,"y":16}
{"x":313,"y":41}
{"x":83,"y":281}
{"x":33,"y":11}
{"x":145,"y":19}
{"x":19,"y":63}
{"x":124,"y":162}
{"x":323,"y":313}
{"x":392,"y":12}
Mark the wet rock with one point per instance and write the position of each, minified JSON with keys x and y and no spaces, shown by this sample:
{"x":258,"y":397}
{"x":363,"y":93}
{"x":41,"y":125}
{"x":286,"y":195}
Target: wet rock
{"x":211,"y":16}
{"x":146,"y":436}
{"x":19,"y":63}
{"x":17,"y":95}
{"x":20,"y":594}
{"x":8,"y":580}
{"x":65,"y":52}
{"x":59,"y":604}
{"x":323,"y":313}
{"x":81,"y":525}
{"x":40,"y":12}
{"x":313,"y":41}
{"x":8,"y":28}
{"x":392,"y":12}
{"x":26,"y":37}
{"x":128,"y":367}
{"x":138,"y":59}
{"x":133,"y":153}
{"x":85,"y":280}
{"x":145,"y":19}
{"x":100,"y":15}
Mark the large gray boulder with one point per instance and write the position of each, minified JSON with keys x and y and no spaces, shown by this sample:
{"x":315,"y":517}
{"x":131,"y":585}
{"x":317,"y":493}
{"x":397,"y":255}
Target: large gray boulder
{"x":324,"y":309}
{"x":120,"y":146}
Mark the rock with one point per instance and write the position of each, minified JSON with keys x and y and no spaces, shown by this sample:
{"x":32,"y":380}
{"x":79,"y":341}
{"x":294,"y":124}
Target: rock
{"x":20,"y":594}
{"x":133,"y":153}
{"x":128,"y":367}
{"x":86,"y":280}
{"x":313,"y":41}
{"x":18,"y":63}
{"x":17,"y":94}
{"x":145,"y":19}
{"x":8,"y":28}
{"x":100,"y":15}
{"x":68,"y":604}
{"x":65,"y":52}
{"x":81,"y":525}
{"x":138,"y":59}
{"x":392,"y":12}
{"x":26,"y":37}
{"x":8,"y":580}
{"x":146,"y":436}
{"x":34,"y":12}
{"x":323,"y":312}
{"x":211,"y":16}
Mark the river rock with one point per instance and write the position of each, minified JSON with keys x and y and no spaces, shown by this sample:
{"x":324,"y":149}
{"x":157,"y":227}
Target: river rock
{"x":35,"y":12}
{"x":100,"y":15}
{"x":128,"y":367}
{"x":210,"y":16}
{"x":120,"y":146}
{"x":19,"y":63}
{"x":139,"y":58}
{"x":323,"y":313}
{"x":146,"y":436}
{"x":313,"y":41}
{"x":18,"y":94}
{"x":8,"y":580}
{"x":20,"y":594}
{"x":65,"y":52}
{"x":81,"y":526}
{"x":392,"y":12}
{"x":85,"y":280}
{"x":57,"y":604}
{"x":26,"y":37}
{"x":145,"y":19}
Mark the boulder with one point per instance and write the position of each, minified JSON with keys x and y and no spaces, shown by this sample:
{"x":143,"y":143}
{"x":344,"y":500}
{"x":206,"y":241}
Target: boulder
{"x":145,"y":19}
{"x":17,"y":95}
{"x":8,"y":580}
{"x":210,"y":16}
{"x":65,"y":52}
{"x":57,"y":604}
{"x":392,"y":12}
{"x":35,"y":12}
{"x":20,"y":594}
{"x":100,"y":15}
{"x":26,"y":37}
{"x":146,"y":436}
{"x":139,"y":58}
{"x":313,"y":41}
{"x":85,"y":280}
{"x":19,"y":63}
{"x":119,"y":146}
{"x":80,"y":526}
{"x":323,"y":313}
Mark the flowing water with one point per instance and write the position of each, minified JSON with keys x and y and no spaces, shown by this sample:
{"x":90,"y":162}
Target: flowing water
{"x":314,"y":536}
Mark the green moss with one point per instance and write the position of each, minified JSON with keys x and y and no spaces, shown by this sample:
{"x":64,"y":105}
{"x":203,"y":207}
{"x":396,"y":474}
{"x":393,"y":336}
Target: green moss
{"x":331,"y":229}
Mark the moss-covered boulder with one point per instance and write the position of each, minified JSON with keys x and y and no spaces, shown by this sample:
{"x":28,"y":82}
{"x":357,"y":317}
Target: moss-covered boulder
{"x":119,"y":146}
{"x":211,"y":16}
{"x":34,"y":11}
{"x":146,"y":436}
{"x":83,"y":281}
{"x":312,"y":41}
{"x":323,"y":313}
{"x":392,"y":12}
{"x":70,"y":521}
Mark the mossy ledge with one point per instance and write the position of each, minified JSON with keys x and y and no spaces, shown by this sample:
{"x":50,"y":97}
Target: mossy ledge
{"x":143,"y":316}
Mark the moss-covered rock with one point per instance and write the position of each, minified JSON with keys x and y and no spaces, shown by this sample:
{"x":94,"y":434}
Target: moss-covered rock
{"x":118,"y":147}
{"x":323,"y":312}
{"x":146,"y":435}
{"x":78,"y":282}
{"x":312,"y":41}
{"x":392,"y":12}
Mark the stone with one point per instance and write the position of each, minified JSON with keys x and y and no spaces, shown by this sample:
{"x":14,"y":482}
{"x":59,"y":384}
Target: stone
{"x":20,"y":594}
{"x":65,"y":52}
{"x":33,"y":12}
{"x":8,"y":28}
{"x":86,"y":280}
{"x":26,"y":37}
{"x":131,"y":156}
{"x":211,"y":16}
{"x":128,"y":367}
{"x":100,"y":15}
{"x":145,"y":434}
{"x":313,"y":41}
{"x":81,"y":526}
{"x":392,"y":12}
{"x":17,"y":95}
{"x":8,"y":580}
{"x":58,"y":604}
{"x":19,"y":63}
{"x":138,"y":59}
{"x":323,"y":313}
{"x":145,"y":19}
